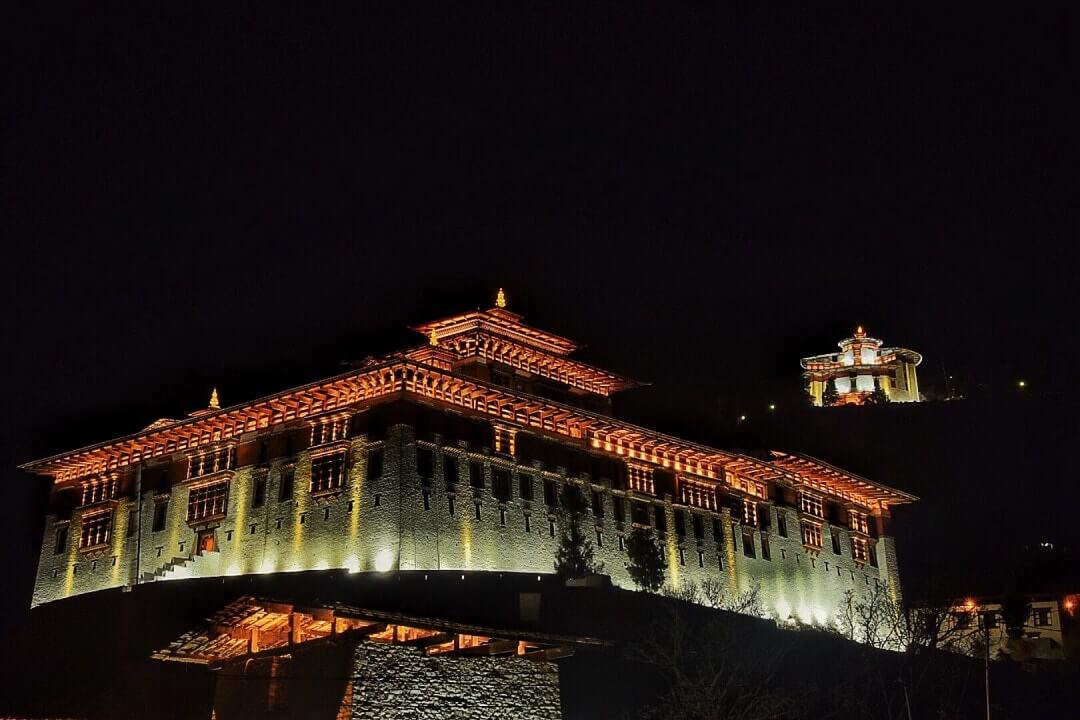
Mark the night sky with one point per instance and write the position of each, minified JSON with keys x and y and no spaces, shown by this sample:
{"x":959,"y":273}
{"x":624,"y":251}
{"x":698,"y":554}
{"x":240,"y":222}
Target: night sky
{"x":701,"y":195}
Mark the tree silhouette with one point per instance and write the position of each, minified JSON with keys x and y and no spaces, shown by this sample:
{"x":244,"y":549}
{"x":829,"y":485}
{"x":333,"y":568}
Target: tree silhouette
{"x":878,"y":397}
{"x":575,"y":556}
{"x":646,"y":566}
{"x":829,"y":396}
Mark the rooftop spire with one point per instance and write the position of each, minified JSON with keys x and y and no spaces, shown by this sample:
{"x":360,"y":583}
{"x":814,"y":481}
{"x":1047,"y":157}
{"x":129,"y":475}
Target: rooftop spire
{"x":433,"y":339}
{"x":859,"y":332}
{"x":500,"y":299}
{"x":215,"y":404}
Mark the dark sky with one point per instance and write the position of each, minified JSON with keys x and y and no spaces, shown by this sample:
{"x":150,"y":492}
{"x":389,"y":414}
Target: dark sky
{"x":699,"y":193}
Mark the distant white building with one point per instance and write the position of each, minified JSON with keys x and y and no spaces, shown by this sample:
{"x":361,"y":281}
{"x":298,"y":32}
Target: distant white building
{"x":862,"y":367}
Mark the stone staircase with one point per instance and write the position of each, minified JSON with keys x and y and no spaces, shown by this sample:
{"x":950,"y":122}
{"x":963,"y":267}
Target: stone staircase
{"x":204,"y":564}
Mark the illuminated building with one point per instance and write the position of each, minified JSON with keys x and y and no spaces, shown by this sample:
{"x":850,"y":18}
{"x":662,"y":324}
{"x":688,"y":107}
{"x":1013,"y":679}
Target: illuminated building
{"x":854,"y":375}
{"x":1042,"y":636}
{"x":454,"y":454}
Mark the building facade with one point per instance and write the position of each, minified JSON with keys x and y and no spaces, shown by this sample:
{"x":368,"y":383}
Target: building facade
{"x":862,"y":372}
{"x":456,"y":455}
{"x":976,"y":624}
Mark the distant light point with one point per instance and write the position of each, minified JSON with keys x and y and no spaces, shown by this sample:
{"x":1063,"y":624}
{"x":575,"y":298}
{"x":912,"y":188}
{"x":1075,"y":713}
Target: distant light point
{"x":742,"y":418}
{"x":1021,"y":384}
{"x":772,"y":406}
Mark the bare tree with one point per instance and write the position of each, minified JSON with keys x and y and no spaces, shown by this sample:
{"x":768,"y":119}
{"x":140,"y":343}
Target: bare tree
{"x":708,"y":670}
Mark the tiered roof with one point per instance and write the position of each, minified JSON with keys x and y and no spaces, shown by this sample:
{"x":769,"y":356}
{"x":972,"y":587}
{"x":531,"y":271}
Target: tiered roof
{"x":414,"y":374}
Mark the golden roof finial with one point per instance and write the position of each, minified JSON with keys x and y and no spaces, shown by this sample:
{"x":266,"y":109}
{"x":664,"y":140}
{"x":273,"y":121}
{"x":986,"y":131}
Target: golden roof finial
{"x":500,"y":299}
{"x":859,"y":332}
{"x":215,"y":404}
{"x":433,"y":339}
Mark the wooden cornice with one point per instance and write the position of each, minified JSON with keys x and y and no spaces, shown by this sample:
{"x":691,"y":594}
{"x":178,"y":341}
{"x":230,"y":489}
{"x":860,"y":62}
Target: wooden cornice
{"x":400,"y":376}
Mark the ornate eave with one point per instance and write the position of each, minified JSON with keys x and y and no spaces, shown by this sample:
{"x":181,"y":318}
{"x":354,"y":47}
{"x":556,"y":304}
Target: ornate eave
{"x":501,"y":322}
{"x":427,"y":374}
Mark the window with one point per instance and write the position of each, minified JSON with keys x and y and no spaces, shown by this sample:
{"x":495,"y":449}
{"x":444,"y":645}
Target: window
{"x":551,"y":528}
{"x":639,"y":513}
{"x":859,"y":551}
{"x":661,"y":519}
{"x":375,"y":463}
{"x":528,"y":524}
{"x":425,"y":463}
{"x":427,"y":500}
{"x":962,"y":620}
{"x":551,"y":493}
{"x":60,"y":540}
{"x":989,"y":619}
{"x":479,"y":508}
{"x":618,"y":509}
{"x":161,"y":511}
{"x":872,"y":554}
{"x":699,"y":526}
{"x":750,"y":487}
{"x":697,"y":494}
{"x":207,"y":501}
{"x":599,"y":538}
{"x":504,"y":441}
{"x":450,"y":469}
{"x":525,"y":487}
{"x":766,"y":554}
{"x":836,"y":545}
{"x":622,"y":542}
{"x":750,"y":514}
{"x":476,"y":474}
{"x":258,"y":492}
{"x":211,"y":462}
{"x":96,"y":491}
{"x":781,"y":524}
{"x":810,"y":505}
{"x":680,"y":523}
{"x":1040,"y":617}
{"x":327,"y":473}
{"x":329,"y":431}
{"x":748,"y":542}
{"x":717,"y":530}
{"x":811,"y":534}
{"x":502,"y":517}
{"x":285,"y":489}
{"x":858,"y":522}
{"x":500,"y":484}
{"x":133,"y":523}
{"x":597,"y":504}
{"x":450,"y":504}
{"x":700,"y":558}
{"x":95,"y":530}
{"x":640,"y":479}
{"x":682,"y":555}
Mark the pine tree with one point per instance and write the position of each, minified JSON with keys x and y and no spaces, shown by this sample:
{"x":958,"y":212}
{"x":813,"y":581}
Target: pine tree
{"x":878,"y":397}
{"x":829,"y":396}
{"x":646,"y":566}
{"x":575,"y":556}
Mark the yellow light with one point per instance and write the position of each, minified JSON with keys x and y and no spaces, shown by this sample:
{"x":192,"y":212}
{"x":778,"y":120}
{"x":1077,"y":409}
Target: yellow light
{"x":384,"y":560}
{"x":742,"y":418}
{"x":500,"y":299}
{"x":215,"y":403}
{"x":1022,"y":384}
{"x":772,"y":406}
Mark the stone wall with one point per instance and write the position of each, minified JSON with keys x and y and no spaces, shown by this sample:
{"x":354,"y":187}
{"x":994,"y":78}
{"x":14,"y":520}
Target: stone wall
{"x":397,"y":681}
{"x":384,"y":523}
